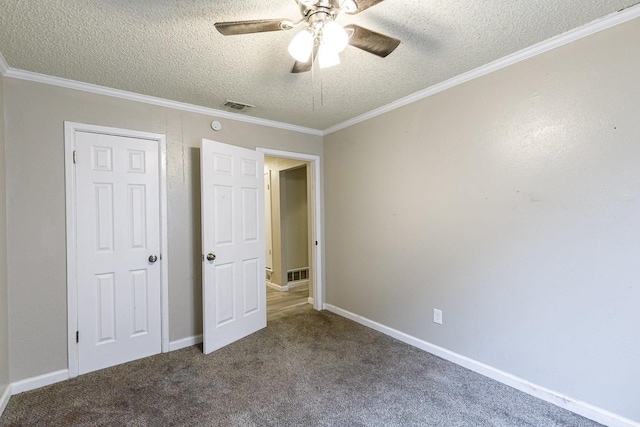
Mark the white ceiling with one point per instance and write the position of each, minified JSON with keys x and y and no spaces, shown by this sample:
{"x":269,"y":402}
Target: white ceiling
{"x":170,"y":49}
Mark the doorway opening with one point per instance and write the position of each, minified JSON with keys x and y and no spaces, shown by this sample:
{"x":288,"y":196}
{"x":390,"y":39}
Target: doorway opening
{"x":233,"y":222}
{"x":286,"y":236}
{"x":292,"y":276}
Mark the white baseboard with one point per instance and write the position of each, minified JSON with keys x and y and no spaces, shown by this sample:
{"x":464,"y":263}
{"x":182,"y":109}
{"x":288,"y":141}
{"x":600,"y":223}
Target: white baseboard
{"x":292,"y":285}
{"x":185,"y":342}
{"x":4,"y":399}
{"x":39,"y":381}
{"x":277,"y":287}
{"x":310,"y":300}
{"x":288,"y":286}
{"x":54,"y":377}
{"x":581,"y":408}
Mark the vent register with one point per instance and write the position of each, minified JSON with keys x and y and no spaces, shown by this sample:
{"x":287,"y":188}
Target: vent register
{"x":293,"y":276}
{"x":238,"y":106}
{"x":297,"y":275}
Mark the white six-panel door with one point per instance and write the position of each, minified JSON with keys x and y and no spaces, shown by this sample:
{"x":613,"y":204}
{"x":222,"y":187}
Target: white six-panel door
{"x":233,"y":288}
{"x":118,"y":230}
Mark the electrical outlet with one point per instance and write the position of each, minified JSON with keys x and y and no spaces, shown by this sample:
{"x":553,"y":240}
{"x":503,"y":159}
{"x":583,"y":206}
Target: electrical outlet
{"x":437,"y":316}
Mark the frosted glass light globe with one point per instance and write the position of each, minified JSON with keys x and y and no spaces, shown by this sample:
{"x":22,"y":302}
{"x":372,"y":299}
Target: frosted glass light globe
{"x":301,"y":45}
{"x":334,"y":36}
{"x":327,"y":57}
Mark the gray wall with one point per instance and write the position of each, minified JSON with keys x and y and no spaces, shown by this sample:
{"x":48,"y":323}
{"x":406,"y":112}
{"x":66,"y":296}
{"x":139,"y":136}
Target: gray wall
{"x":36,"y":207}
{"x":512,"y":203}
{"x":4,"y":308}
{"x":295,"y":219}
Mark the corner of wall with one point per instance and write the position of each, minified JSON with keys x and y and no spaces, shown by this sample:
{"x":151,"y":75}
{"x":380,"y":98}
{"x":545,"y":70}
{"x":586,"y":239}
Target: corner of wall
{"x":5,"y":387}
{"x":4,"y":398}
{"x":4,"y":67}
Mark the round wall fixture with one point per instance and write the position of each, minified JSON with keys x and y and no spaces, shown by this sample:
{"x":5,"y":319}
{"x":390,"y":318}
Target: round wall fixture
{"x":216,"y":125}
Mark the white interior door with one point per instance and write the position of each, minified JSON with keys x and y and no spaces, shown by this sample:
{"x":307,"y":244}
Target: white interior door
{"x":233,"y":247}
{"x":118,"y":236}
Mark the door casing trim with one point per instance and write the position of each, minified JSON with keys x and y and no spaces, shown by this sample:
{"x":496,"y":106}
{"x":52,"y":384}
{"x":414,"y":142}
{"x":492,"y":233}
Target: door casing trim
{"x":70,"y":129}
{"x":316,"y":211}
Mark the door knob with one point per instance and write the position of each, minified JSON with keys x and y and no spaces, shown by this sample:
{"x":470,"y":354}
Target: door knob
{"x":211,"y":257}
{"x":152,"y":258}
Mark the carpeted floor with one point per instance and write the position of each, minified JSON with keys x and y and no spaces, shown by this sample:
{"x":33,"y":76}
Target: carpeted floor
{"x":312,"y":369}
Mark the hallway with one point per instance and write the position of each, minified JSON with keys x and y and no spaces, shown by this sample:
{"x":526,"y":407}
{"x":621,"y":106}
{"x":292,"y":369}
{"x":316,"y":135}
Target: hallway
{"x":284,"y":304}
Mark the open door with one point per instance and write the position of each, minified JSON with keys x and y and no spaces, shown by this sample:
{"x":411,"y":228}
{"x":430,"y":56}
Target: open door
{"x":233,"y":247}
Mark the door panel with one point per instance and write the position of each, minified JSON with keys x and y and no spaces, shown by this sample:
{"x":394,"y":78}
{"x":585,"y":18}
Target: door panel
{"x":249,"y":215}
{"x":106,"y":307}
{"x":137,"y":217}
{"x":234,"y":293}
{"x":139,"y":297}
{"x":104,"y":212}
{"x":223,"y":215}
{"x":251,"y":284}
{"x":118,"y":228}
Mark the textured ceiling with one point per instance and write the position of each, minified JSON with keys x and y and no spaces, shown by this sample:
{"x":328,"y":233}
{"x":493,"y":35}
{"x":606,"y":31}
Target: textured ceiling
{"x":170,"y":49}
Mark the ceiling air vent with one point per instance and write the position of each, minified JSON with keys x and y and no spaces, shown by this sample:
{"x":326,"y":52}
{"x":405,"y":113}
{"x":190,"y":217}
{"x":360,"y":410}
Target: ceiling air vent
{"x":238,"y":106}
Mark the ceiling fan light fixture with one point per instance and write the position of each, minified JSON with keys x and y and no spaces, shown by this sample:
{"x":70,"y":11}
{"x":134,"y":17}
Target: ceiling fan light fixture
{"x":319,"y":30}
{"x":301,"y":45}
{"x":334,"y":36}
{"x":327,"y":57}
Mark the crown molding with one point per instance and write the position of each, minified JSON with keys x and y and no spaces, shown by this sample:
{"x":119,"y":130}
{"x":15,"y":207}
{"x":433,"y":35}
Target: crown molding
{"x":161,"y":102}
{"x":596,"y":26}
{"x":609,"y":21}
{"x":4,"y":67}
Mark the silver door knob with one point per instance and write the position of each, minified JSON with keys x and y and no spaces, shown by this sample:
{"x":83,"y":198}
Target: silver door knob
{"x":152,"y":258}
{"x":211,"y":257}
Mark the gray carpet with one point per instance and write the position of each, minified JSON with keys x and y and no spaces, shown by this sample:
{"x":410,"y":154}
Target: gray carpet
{"x":312,"y":369}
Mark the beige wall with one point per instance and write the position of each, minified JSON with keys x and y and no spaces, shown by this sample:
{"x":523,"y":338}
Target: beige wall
{"x":295,"y":220}
{"x":509,"y":202}
{"x":512,"y":203}
{"x":36,"y":207}
{"x":4,"y":308}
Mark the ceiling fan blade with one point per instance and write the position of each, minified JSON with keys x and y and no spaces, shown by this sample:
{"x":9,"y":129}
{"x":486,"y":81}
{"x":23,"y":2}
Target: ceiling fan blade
{"x":372,"y":42}
{"x":363,"y":5}
{"x":249,"y":27}
{"x":303,"y":67}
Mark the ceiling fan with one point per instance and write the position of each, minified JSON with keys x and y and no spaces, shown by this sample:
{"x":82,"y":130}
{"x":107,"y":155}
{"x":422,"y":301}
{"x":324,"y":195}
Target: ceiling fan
{"x":321,"y":37}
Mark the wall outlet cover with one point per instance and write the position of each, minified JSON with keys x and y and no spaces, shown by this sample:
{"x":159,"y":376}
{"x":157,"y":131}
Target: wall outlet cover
{"x":437,"y":316}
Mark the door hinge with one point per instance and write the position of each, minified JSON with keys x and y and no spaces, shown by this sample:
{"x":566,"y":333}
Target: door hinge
{"x":75,"y":157}
{"x":77,"y":336}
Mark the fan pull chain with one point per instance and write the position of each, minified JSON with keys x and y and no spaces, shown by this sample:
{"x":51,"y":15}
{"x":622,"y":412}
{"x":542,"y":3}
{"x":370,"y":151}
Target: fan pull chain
{"x":313,"y":81}
{"x":321,"y":88}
